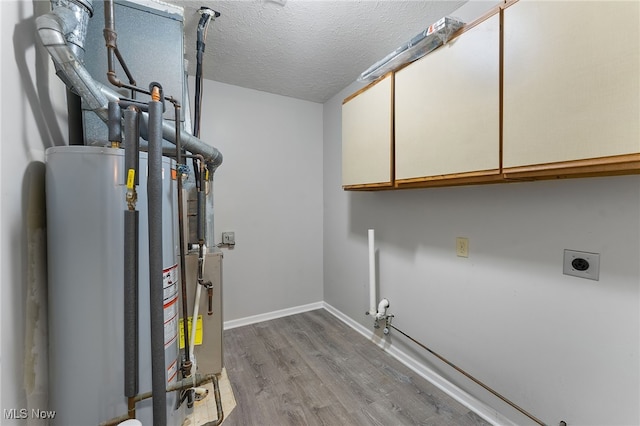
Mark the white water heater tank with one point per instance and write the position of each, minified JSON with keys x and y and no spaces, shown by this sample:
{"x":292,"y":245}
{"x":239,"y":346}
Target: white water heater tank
{"x":85,"y":188}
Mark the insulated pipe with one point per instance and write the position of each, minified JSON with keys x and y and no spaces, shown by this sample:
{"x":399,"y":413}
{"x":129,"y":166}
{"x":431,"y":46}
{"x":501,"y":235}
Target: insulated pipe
{"x":131,"y":303}
{"x":156,"y":298}
{"x":132,"y":141}
{"x":51,"y":29}
{"x":114,"y":125}
{"x":131,"y":221}
{"x":190,"y":143}
{"x":201,"y":213}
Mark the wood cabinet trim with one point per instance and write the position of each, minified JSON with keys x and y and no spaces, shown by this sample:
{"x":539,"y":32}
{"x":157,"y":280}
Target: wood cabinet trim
{"x":367,"y":87}
{"x":392,"y":136}
{"x":452,"y":180}
{"x":455,"y":178}
{"x":369,"y":186}
{"x":626,"y":164}
{"x":618,"y":164}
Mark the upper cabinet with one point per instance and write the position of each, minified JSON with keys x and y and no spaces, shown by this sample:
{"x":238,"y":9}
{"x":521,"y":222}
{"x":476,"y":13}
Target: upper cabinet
{"x":447,"y":111}
{"x":367,"y":137}
{"x":533,"y":90}
{"x":571,"y":88}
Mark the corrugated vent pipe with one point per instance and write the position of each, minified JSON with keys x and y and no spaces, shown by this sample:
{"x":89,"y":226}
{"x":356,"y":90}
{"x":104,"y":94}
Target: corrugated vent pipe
{"x":62,"y":33}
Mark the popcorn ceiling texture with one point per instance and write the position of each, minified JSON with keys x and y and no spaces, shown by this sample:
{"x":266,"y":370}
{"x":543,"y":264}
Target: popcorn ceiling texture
{"x":306,"y":49}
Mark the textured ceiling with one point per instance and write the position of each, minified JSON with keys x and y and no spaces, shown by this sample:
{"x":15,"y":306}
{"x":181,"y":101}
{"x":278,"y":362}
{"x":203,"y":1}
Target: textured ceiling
{"x":306,"y":49}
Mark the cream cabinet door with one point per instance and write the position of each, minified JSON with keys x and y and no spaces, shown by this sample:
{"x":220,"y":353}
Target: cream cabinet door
{"x":447,"y":109}
{"x":367,"y":139}
{"x":571,"y":81}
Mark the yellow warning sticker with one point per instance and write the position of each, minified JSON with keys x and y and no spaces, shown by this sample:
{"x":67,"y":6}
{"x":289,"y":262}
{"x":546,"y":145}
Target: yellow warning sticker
{"x":131,"y":178}
{"x":198,"y":340}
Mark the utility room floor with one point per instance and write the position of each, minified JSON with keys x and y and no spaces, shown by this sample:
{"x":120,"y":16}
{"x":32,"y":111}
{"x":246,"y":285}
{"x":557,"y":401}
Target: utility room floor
{"x":312,"y":369}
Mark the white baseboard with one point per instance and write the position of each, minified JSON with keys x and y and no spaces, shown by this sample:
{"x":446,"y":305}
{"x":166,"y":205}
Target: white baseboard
{"x":272,"y":315}
{"x":480,"y":408}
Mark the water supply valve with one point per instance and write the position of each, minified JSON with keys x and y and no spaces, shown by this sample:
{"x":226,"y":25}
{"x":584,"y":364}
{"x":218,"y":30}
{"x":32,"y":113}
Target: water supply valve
{"x":132,"y":196}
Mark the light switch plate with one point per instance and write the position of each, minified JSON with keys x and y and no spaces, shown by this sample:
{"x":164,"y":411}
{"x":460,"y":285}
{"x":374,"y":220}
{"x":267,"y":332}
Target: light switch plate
{"x":581,"y":264}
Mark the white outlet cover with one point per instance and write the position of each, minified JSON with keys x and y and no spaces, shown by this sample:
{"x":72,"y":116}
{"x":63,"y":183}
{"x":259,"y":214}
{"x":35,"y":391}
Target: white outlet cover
{"x":581,"y":264}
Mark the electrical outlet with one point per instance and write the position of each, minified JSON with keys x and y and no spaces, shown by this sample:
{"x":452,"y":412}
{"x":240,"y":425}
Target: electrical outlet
{"x":229,"y":238}
{"x":462,"y":247}
{"x":581,"y":264}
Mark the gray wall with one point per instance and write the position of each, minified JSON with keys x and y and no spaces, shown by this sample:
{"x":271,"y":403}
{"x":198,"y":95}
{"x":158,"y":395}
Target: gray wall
{"x":32,"y":115}
{"x":560,"y":346}
{"x":269,"y":191}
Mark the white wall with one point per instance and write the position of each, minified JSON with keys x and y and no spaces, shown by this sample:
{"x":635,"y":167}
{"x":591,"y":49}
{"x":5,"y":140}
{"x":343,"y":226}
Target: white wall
{"x":561,"y":347}
{"x":269,"y":192}
{"x":32,"y":118}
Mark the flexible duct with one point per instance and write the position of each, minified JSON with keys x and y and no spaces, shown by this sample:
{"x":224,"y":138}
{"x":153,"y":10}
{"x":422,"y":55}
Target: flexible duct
{"x":52,"y":28}
{"x":64,"y":19}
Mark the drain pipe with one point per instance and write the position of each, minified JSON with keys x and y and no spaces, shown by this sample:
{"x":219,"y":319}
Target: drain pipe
{"x":156,"y":297}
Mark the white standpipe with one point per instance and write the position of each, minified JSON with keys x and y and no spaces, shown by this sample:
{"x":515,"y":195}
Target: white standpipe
{"x":382,"y":309}
{"x":379,"y":311}
{"x":196,"y":308}
{"x":372,"y":273}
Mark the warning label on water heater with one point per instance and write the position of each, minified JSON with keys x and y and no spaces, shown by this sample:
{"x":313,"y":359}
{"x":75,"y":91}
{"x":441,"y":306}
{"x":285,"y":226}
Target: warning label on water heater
{"x":170,"y":291}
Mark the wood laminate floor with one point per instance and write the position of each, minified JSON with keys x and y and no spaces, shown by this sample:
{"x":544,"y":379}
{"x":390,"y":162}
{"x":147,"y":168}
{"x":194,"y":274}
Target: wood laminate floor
{"x":312,"y":369}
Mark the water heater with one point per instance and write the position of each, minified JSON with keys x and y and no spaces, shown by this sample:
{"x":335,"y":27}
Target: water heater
{"x":85,"y":188}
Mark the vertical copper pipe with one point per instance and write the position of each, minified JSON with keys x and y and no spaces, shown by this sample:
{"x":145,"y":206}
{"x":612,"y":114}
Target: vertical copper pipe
{"x":131,"y":408}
